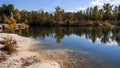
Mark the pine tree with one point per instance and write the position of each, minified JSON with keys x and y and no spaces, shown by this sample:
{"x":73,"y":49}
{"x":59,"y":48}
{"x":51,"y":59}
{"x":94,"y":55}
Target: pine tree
{"x":115,"y":13}
{"x":119,"y":13}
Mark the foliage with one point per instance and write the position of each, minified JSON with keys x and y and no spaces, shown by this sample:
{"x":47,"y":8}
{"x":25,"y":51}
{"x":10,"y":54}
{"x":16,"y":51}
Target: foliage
{"x":119,"y":13}
{"x":11,"y":24}
{"x":17,"y":15}
{"x":106,"y":23}
{"x":107,"y":9}
{"x":90,"y":23}
{"x":10,"y":21}
{"x":13,"y":21}
{"x":7,"y":9}
{"x":10,"y":15}
{"x":96,"y":23}
{"x":7,"y":21}
{"x":58,"y":14}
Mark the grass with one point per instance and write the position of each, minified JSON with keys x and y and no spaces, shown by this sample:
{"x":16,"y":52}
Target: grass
{"x":9,"y":44}
{"x":2,"y":57}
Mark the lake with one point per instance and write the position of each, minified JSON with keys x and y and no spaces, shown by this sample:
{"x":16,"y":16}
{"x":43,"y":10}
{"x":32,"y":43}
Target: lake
{"x":75,"y":47}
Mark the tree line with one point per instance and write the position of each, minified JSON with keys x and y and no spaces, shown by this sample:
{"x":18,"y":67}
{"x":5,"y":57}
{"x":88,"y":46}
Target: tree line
{"x":109,"y":14}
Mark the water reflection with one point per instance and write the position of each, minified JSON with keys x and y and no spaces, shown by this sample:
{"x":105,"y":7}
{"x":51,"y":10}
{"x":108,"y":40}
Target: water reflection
{"x":101,"y":35}
{"x":84,"y":46}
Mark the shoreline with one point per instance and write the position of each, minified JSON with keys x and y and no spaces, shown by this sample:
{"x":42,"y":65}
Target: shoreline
{"x":25,"y":56}
{"x":28,"y":56}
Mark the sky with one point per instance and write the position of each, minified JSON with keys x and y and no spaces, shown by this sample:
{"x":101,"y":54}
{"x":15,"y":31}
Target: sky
{"x":49,"y":5}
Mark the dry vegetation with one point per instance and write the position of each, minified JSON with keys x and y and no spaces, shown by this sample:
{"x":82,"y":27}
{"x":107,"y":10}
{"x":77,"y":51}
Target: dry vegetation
{"x":9,"y":44}
{"x":3,"y":57}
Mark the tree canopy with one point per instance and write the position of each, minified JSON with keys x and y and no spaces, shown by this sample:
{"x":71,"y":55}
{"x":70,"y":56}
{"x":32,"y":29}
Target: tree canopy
{"x":107,"y":13}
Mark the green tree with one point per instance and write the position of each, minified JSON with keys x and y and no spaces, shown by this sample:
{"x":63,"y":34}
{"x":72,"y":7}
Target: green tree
{"x":24,"y":15}
{"x":88,"y":13}
{"x":17,"y":15}
{"x":7,"y":9}
{"x":107,"y":9}
{"x":4,"y":9}
{"x":115,"y":13}
{"x":91,"y":13}
{"x":100,"y":14}
{"x":69,"y":18}
{"x":10,"y":9}
{"x":79,"y":16}
{"x":58,"y":14}
{"x":119,"y":13}
{"x":95,"y":13}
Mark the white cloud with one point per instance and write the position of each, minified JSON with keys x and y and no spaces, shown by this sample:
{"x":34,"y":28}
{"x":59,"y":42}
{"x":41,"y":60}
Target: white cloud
{"x":110,"y":43}
{"x":101,"y":2}
{"x":97,"y":2}
{"x":81,"y":8}
{"x":69,"y":10}
{"x":77,"y":9}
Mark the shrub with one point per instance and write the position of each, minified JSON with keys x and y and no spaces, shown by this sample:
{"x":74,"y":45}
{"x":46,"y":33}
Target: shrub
{"x":9,"y":44}
{"x":26,"y":21}
{"x":10,"y":21}
{"x":7,"y":21}
{"x":96,"y":23}
{"x":11,"y":24}
{"x":13,"y":21}
{"x":24,"y":26}
{"x":106,"y":23}
{"x":90,"y":23}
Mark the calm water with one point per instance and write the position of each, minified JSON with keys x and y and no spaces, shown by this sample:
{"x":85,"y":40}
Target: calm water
{"x":100,"y":45}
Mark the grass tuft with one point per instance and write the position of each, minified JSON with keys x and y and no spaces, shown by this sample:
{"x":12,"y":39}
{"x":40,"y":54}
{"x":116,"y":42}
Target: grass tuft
{"x":9,"y":44}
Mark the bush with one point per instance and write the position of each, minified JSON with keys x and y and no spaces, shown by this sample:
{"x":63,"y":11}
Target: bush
{"x":9,"y":44}
{"x":13,"y":21}
{"x":106,"y":23}
{"x":11,"y":24}
{"x":10,"y":21}
{"x":96,"y":23}
{"x":90,"y":23}
{"x":24,"y":26}
{"x":7,"y":21}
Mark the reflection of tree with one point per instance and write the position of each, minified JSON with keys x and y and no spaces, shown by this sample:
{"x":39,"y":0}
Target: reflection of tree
{"x":103,"y":33}
{"x":59,"y":34}
{"x":116,"y":34}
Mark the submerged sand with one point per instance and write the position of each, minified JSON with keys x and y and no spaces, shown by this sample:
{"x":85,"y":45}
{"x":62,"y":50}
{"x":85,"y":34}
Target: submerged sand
{"x":25,"y":56}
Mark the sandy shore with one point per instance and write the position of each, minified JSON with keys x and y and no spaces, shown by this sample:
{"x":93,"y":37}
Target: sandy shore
{"x":25,"y":56}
